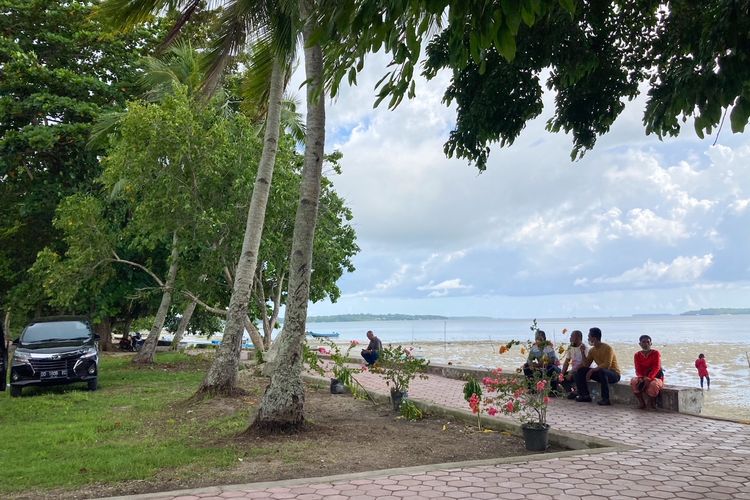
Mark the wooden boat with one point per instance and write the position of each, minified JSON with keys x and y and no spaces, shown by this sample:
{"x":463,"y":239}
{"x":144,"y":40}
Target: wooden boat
{"x":324,"y":335}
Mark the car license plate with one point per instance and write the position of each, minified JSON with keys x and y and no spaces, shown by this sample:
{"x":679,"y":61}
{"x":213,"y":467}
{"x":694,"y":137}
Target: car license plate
{"x":54,"y":373}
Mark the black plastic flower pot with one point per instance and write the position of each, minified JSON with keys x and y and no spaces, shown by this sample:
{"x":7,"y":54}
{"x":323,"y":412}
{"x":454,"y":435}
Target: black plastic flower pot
{"x":536,"y":436}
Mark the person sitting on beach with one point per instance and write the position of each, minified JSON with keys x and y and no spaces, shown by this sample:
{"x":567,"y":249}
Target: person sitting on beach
{"x":649,"y":377}
{"x":372,"y":352}
{"x":607,"y":370}
{"x":574,"y":357}
{"x":542,"y":360}
{"x":702,"y":367}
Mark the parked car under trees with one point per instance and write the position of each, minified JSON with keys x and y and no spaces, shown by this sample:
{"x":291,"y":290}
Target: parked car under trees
{"x":54,"y":351}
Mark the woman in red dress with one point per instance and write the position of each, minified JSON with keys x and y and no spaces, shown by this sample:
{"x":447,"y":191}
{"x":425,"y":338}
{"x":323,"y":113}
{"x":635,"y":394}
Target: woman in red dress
{"x":649,"y":377}
{"x":702,"y":367}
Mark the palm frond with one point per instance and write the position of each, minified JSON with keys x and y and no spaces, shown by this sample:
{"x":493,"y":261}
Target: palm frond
{"x":240,"y":19}
{"x":104,"y":125}
{"x":185,"y":16}
{"x":125,"y":14}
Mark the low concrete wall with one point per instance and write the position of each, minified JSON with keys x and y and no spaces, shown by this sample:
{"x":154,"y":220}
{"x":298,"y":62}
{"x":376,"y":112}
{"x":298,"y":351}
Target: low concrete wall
{"x":676,"y":398}
{"x":673,"y":397}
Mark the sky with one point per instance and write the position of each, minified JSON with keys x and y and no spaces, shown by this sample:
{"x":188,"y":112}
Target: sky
{"x":638,"y":226}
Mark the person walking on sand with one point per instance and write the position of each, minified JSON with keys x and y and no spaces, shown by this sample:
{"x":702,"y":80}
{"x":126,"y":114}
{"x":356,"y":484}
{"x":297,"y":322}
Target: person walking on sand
{"x":649,"y":377}
{"x":702,"y":367}
{"x":372,"y":353}
{"x":607,"y":370}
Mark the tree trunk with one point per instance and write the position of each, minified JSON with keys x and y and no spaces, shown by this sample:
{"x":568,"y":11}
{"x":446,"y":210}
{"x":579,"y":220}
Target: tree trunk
{"x":222,"y":375}
{"x":184,"y":321}
{"x":252,"y":330}
{"x":6,"y":328}
{"x":147,"y":354}
{"x":282,"y":406}
{"x":104,"y":330}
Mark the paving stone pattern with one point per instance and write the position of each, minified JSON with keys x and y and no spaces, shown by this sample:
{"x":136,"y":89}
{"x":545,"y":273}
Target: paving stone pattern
{"x":676,"y":457}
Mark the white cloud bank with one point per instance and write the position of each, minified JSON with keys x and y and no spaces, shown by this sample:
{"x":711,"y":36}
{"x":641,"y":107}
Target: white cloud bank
{"x":634,"y":213}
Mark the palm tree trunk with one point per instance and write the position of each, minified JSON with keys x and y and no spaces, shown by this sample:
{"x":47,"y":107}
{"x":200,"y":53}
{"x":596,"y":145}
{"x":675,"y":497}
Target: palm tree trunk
{"x":184,"y":322}
{"x":147,"y":354}
{"x":282,"y":406}
{"x":222,"y":375}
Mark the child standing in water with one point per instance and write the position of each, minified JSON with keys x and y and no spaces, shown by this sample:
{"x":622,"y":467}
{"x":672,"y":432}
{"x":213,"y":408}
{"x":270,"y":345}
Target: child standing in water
{"x":702,"y":367}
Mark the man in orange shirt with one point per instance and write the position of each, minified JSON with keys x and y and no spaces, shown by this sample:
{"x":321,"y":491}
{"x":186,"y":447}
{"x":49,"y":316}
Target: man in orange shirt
{"x":606,"y":372}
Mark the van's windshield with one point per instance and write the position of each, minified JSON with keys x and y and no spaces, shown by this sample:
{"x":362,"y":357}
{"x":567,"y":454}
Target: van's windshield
{"x":55,"y":330}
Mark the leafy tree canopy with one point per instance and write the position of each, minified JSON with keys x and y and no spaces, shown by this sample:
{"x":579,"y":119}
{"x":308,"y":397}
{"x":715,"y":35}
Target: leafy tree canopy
{"x":59,"y":69}
{"x":693,"y":57}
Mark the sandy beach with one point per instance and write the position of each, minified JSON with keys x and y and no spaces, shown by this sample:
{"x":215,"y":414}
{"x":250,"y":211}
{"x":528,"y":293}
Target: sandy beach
{"x":729,"y":396}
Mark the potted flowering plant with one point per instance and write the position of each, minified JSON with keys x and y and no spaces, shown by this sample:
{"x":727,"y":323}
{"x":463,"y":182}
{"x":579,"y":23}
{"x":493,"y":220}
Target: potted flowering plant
{"x":343,"y":372}
{"x":399,"y":367}
{"x":525,"y":394}
{"x":521,"y":398}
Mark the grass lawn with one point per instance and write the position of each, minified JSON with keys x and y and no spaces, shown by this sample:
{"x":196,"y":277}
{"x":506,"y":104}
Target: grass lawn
{"x":134,"y":426}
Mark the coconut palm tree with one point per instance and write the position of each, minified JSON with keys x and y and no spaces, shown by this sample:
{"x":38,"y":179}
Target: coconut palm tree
{"x":282,"y":405}
{"x":241,"y":21}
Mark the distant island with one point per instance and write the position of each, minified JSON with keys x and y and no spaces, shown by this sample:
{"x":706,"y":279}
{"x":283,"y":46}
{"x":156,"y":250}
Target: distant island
{"x":717,"y":311}
{"x":387,"y":317}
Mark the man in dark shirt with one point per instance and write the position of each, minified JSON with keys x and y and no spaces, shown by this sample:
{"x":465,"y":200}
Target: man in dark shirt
{"x":372,"y":352}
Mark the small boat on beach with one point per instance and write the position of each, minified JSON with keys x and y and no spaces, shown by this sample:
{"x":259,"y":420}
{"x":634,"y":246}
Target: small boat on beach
{"x":331,"y":335}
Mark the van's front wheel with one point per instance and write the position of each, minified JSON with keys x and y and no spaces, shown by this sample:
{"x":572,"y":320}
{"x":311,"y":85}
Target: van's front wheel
{"x":93,"y":384}
{"x":15,"y":391}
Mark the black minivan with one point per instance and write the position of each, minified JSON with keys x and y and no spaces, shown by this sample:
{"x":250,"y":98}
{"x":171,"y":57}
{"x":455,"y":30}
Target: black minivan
{"x":53,"y":351}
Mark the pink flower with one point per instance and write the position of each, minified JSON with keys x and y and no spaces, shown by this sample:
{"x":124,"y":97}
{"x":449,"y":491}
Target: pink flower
{"x":540,"y":385}
{"x":518,"y":393}
{"x":492,"y":411}
{"x":546,"y":400}
{"x":323,"y":350}
{"x":354,"y":343}
{"x":509,"y":406}
{"x":487,"y":381}
{"x":474,"y":403}
{"x":560,"y":377}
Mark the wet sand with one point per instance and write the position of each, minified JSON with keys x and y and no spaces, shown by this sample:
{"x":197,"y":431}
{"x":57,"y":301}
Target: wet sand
{"x":729,"y":396}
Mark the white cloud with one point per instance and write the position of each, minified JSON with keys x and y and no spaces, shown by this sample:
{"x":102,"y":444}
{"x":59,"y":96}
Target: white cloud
{"x":680,"y":270}
{"x":739,"y":206}
{"x":533,"y":223}
{"x":441,"y":289}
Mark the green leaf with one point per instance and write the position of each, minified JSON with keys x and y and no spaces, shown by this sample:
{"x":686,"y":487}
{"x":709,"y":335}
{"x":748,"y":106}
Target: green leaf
{"x":739,"y":115}
{"x":507,"y":47}
{"x":569,"y":5}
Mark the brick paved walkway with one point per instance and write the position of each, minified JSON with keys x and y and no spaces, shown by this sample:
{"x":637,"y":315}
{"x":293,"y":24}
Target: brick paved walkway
{"x":675,"y":457}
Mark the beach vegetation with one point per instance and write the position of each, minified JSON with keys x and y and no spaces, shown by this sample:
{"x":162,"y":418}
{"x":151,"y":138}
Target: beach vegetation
{"x":399,"y":367}
{"x":342,"y":367}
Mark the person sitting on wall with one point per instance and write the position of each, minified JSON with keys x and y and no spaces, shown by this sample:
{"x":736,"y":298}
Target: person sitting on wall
{"x":542,"y":360}
{"x":574,"y":358}
{"x":649,"y":377}
{"x":372,"y":353}
{"x":607,"y":370}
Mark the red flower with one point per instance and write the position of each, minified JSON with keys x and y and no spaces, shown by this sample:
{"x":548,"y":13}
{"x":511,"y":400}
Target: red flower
{"x":474,"y":403}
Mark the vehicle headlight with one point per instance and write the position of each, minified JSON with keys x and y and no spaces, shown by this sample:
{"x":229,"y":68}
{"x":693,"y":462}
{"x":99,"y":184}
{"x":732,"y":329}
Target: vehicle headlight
{"x":21,"y":357}
{"x":89,"y":352}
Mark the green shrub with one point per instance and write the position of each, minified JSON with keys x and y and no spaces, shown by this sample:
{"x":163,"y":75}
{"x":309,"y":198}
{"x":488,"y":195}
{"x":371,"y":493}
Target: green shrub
{"x":410,"y":411}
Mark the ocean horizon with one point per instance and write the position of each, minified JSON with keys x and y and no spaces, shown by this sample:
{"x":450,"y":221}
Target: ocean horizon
{"x":666,"y":329}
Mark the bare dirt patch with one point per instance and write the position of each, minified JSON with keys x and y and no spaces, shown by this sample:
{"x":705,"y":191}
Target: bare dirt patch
{"x":342,"y":435}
